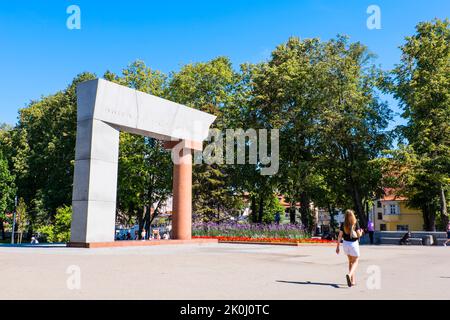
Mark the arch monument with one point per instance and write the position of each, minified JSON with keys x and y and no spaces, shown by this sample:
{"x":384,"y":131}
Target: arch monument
{"x":103,"y":110}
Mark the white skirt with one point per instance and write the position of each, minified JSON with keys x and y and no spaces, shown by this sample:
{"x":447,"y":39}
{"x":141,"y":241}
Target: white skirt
{"x":351,"y":248}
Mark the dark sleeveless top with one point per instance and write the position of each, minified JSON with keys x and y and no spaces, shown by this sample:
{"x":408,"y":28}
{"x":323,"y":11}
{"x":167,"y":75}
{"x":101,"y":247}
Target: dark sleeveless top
{"x":347,"y":237}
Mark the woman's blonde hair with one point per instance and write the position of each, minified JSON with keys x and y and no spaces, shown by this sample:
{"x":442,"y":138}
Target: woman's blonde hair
{"x":350,"y":221}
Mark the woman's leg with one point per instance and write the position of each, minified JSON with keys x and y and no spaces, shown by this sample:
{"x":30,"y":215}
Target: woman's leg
{"x":353,"y":277}
{"x":350,"y":263}
{"x":348,"y":276}
{"x":354,"y":266}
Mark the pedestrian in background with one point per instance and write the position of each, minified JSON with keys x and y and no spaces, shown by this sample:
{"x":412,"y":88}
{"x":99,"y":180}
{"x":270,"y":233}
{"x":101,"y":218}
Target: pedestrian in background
{"x":371,"y":230}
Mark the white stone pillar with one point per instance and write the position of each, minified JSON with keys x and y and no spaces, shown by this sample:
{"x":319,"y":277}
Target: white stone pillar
{"x":95,"y":178}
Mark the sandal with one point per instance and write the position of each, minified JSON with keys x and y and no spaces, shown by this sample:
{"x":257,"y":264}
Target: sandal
{"x":349,"y":281}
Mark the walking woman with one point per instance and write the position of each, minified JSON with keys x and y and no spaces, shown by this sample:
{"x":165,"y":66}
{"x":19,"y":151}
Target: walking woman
{"x":350,"y":232}
{"x":448,"y":234}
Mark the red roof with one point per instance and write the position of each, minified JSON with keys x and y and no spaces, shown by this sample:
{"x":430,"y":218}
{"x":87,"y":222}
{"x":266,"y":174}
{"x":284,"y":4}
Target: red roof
{"x":391,"y":195}
{"x":286,"y":204}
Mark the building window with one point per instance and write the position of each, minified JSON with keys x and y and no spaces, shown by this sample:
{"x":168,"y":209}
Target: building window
{"x":402,"y":228}
{"x":393,"y":209}
{"x":383,"y":227}
{"x":379,"y":204}
{"x":380,"y":216}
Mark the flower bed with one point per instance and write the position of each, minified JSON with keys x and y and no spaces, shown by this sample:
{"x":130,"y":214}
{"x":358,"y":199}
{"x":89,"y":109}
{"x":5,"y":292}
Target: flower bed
{"x":247,"y":230}
{"x":267,"y":240}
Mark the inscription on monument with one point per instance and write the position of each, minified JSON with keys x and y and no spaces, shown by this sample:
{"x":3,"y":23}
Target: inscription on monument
{"x":119,"y":113}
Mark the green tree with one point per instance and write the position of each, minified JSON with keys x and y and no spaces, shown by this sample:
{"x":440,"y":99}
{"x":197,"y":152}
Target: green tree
{"x":59,"y":229}
{"x":273,"y":206}
{"x":209,"y":87}
{"x":322,"y":97}
{"x":421,"y":83}
{"x":7,"y":191}
{"x":22,"y":219}
{"x":5,"y":140}
{"x":284,"y":93}
{"x":352,"y":124}
{"x":44,"y":152}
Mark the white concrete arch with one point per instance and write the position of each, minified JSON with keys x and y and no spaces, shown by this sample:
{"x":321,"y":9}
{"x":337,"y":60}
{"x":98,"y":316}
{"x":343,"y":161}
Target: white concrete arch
{"x":105,"y":109}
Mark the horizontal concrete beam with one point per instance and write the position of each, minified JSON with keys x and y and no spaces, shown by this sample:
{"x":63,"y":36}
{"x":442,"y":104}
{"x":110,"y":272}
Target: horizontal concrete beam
{"x":141,"y":113}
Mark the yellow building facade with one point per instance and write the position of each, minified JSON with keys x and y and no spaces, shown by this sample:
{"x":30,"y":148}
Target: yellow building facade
{"x":394,"y":215}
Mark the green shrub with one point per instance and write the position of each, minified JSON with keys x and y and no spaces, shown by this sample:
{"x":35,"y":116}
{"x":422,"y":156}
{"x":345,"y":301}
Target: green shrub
{"x":59,"y":231}
{"x":272,"y":207}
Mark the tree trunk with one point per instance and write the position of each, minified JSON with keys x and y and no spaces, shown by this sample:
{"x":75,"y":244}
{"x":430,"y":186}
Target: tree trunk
{"x":444,"y":212}
{"x":305,"y":212}
{"x":147,"y":215}
{"x":359,"y":207}
{"x":432,"y":220}
{"x":156,"y":212}
{"x":429,"y":217}
{"x":331,"y":212}
{"x":141,"y":224}
{"x":253,"y":208}
{"x":2,"y":228}
{"x":292,"y":216}
{"x":261,"y":209}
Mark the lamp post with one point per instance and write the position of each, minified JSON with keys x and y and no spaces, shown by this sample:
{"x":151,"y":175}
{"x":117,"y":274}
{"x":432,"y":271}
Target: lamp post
{"x":14,"y":220}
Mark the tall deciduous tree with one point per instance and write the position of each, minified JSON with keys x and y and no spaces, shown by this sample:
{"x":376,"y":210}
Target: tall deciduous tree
{"x":421,"y":82}
{"x":321,"y":95}
{"x":209,"y":87}
{"x":7,"y":191}
{"x":352,"y":123}
{"x":287,"y":96}
{"x":44,"y":151}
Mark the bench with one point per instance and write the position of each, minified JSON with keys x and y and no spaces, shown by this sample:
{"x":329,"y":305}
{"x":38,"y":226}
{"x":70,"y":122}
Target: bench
{"x":417,"y":237}
{"x":396,"y":241}
{"x":441,"y":241}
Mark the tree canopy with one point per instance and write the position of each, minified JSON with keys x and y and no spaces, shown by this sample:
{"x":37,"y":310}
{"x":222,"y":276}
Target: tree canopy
{"x":421,"y":83}
{"x":323,"y":96}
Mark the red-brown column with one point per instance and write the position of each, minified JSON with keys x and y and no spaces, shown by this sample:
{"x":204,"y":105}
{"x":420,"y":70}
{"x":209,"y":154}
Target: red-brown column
{"x":182,"y":197}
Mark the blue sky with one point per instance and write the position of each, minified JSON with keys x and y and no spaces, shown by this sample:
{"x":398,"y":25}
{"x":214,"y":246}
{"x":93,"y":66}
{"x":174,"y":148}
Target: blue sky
{"x":39,"y":55}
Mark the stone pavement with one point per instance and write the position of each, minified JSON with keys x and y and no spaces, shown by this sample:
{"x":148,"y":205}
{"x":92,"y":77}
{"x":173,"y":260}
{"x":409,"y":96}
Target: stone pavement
{"x":223,"y":271}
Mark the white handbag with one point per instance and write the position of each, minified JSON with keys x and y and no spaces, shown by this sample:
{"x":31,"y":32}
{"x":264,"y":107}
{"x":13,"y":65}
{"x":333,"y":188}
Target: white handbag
{"x":353,"y":234}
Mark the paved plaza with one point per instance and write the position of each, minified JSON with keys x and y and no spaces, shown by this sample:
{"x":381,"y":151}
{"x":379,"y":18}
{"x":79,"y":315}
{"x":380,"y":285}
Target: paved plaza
{"x":222,"y":271}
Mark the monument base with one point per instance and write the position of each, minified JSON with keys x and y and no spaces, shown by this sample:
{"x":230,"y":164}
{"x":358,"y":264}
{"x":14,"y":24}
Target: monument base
{"x":138,"y":243}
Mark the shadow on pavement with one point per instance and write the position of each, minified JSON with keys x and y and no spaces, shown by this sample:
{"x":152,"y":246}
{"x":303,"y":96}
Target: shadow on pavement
{"x":334,"y":285}
{"x":44,"y":245}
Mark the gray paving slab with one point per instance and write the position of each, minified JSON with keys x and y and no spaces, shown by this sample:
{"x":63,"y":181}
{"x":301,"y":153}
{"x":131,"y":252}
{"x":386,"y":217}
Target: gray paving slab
{"x":222,"y":271}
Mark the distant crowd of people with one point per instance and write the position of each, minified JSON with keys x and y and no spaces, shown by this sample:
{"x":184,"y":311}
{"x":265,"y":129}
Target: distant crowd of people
{"x":154,"y":235}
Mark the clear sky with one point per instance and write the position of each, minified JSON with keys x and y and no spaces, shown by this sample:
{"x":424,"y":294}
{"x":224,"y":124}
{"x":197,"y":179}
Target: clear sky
{"x":40,"y":55}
